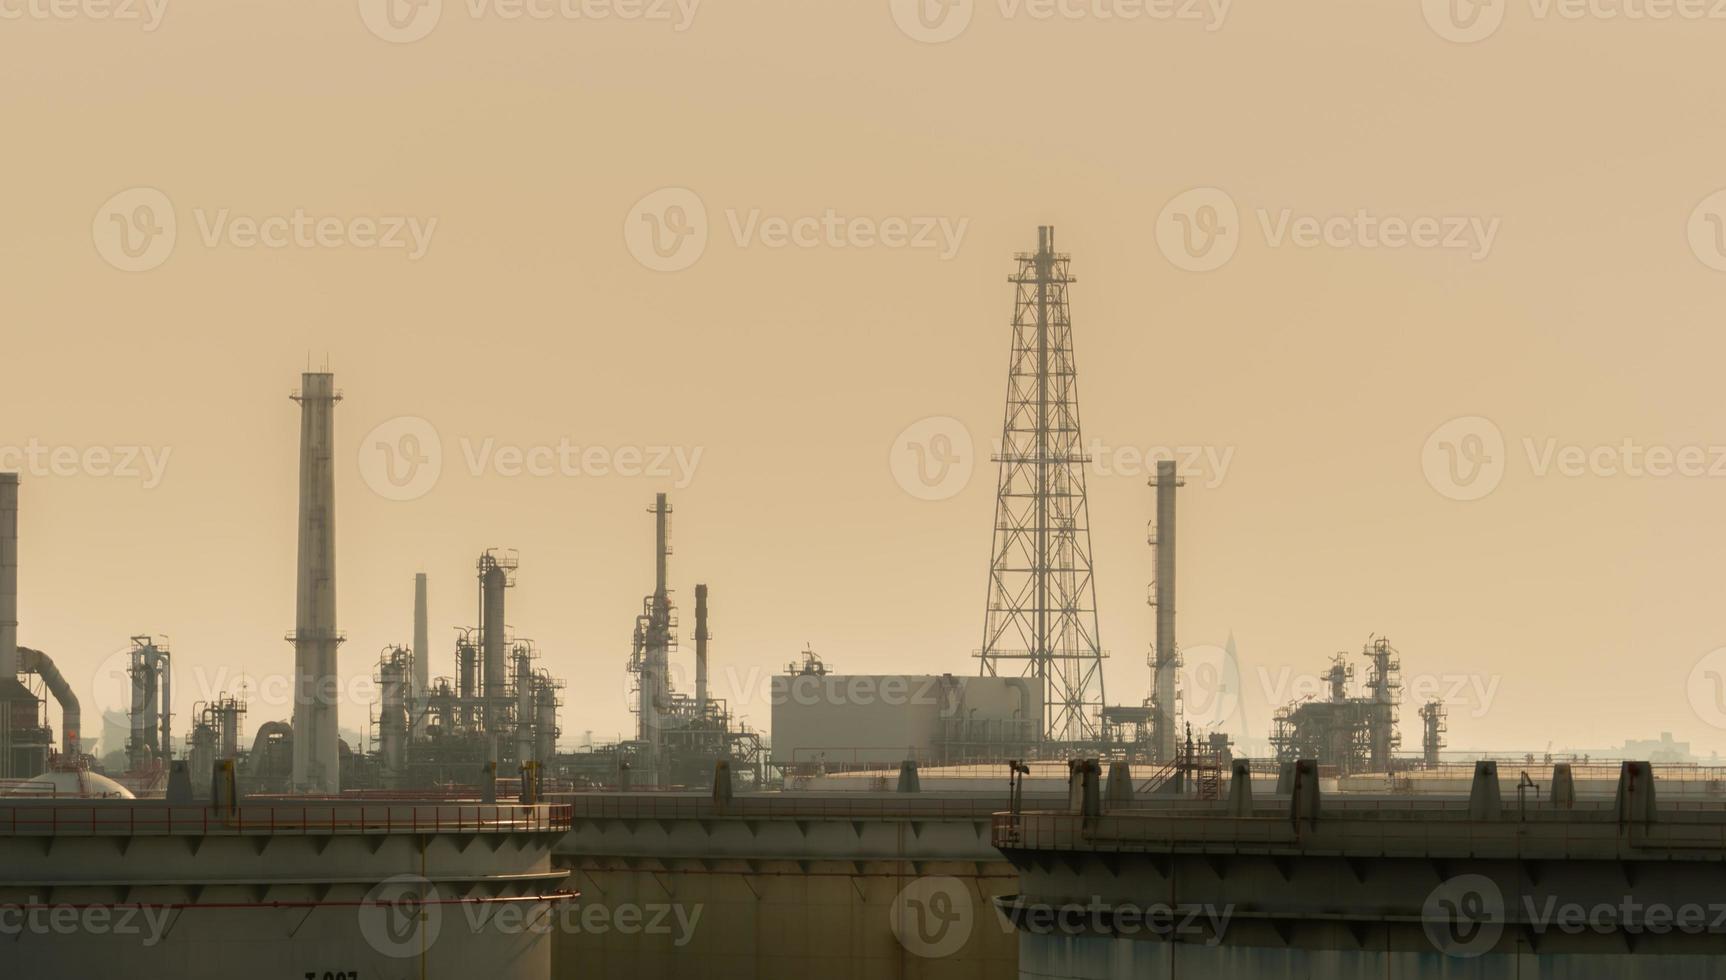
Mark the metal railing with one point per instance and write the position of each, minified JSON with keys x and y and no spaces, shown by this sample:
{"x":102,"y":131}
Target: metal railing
{"x":126,"y":818}
{"x":791,"y":805}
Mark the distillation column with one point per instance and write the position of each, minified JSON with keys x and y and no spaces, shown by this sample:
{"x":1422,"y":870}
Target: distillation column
{"x":493,"y":581}
{"x":8,"y":576}
{"x":1163,"y":691}
{"x":315,"y":637}
{"x":655,"y":686}
{"x":422,"y":659}
{"x":701,"y":638}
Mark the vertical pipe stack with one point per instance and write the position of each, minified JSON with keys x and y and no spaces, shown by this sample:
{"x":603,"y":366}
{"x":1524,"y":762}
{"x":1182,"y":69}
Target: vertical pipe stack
{"x":8,"y":619}
{"x":655,"y":684}
{"x":1163,"y":690}
{"x":492,"y":584}
{"x":315,"y":637}
{"x":701,"y":638}
{"x":8,"y":576}
{"x":422,"y":658}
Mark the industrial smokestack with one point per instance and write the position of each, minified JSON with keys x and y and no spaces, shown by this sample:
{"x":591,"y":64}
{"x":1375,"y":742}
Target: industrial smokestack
{"x":1163,"y":688}
{"x":315,"y":637}
{"x":8,"y":576}
{"x":422,"y":658}
{"x":701,"y":638}
{"x":492,"y":583}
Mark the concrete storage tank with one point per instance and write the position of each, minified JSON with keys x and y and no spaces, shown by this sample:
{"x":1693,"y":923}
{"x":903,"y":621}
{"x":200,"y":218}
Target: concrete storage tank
{"x":386,"y":890}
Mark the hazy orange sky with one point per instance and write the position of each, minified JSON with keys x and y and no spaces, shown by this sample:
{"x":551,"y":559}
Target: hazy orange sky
{"x":520,"y":148}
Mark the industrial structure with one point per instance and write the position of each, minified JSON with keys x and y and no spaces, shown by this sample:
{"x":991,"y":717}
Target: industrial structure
{"x":1345,"y":732}
{"x":1041,"y":617}
{"x":678,"y":738}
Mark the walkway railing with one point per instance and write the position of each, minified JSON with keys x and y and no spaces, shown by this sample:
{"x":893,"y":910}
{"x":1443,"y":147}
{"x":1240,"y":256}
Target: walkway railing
{"x":128,"y":818}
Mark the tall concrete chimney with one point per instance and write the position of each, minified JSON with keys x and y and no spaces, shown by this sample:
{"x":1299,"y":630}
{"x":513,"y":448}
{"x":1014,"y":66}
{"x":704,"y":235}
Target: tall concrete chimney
{"x":422,"y":658}
{"x":8,"y":576}
{"x":315,"y":637}
{"x":1163,"y":691}
{"x":701,"y":638}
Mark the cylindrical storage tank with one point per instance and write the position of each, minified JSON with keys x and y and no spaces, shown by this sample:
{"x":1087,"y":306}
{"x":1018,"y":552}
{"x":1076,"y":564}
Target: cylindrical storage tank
{"x":381,"y":891}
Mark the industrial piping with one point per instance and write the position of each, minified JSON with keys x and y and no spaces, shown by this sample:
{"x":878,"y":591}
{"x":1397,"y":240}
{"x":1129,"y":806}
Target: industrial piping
{"x":701,"y":638}
{"x":71,"y":715}
{"x":1163,"y":690}
{"x":422,"y":658}
{"x":8,"y":575}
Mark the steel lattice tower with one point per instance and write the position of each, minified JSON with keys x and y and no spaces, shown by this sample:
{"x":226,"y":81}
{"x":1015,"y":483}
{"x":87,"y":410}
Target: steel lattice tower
{"x":1042,"y":605}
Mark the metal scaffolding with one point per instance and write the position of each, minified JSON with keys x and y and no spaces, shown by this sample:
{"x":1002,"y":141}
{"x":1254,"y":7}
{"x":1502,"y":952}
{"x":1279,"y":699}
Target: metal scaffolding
{"x":1042,"y":607}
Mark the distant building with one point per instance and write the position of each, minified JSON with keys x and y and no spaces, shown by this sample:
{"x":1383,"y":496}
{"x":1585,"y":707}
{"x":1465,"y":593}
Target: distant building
{"x":1662,"y":749}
